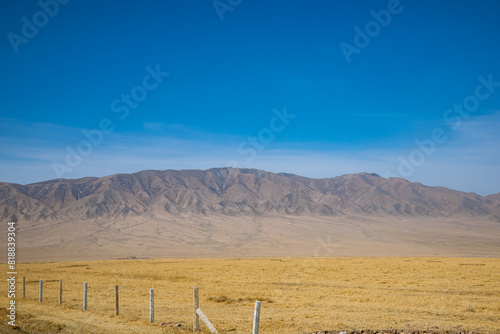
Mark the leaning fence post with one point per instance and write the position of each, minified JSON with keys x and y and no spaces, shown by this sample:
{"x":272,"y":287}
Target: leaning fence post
{"x":40,"y":297}
{"x":256,"y":318}
{"x":85,"y":288}
{"x":196,"y":305}
{"x":152,"y":305}
{"x":203,"y":317}
{"x":116,"y":300}
{"x":24,"y":287}
{"x":60,"y":292}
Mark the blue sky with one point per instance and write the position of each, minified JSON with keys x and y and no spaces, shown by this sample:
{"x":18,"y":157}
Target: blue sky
{"x":263,"y":84}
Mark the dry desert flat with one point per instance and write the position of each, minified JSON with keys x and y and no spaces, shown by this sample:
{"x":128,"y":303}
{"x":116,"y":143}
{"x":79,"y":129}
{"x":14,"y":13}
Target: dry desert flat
{"x":298,"y":295}
{"x":276,"y":236}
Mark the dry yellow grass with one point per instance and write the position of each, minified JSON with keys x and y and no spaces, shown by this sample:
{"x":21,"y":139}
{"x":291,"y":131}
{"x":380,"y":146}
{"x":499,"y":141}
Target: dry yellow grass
{"x":298,"y":295}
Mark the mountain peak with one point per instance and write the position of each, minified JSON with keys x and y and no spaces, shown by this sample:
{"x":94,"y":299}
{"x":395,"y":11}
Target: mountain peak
{"x":234,"y":192}
{"x":245,"y":212}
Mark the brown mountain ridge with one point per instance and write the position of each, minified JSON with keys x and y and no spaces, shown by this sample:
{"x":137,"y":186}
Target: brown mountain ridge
{"x":246,"y":212}
{"x":235,"y":192}
{"x":494,"y":197}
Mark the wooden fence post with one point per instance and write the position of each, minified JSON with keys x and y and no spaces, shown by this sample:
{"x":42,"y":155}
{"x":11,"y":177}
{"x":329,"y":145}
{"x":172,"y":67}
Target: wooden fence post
{"x":40,"y":296}
{"x":85,"y":288}
{"x":152,"y":305}
{"x":116,"y":300}
{"x":256,"y":318}
{"x":203,"y":317}
{"x":24,"y":287}
{"x":196,"y":305}
{"x":60,"y":292}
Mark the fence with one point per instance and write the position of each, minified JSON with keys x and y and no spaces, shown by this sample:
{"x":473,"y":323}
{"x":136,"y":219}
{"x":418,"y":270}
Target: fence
{"x":197,"y":312}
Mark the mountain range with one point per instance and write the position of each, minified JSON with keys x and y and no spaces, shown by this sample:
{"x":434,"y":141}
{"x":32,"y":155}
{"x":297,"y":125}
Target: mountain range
{"x":227,"y":207}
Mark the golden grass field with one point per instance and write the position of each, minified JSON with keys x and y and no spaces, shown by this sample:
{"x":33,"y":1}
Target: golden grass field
{"x":299,"y":295}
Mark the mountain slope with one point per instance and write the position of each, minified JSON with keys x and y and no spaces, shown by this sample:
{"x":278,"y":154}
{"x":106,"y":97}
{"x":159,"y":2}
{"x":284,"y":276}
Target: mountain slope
{"x":494,"y":197}
{"x":244,"y":212}
{"x":234,"y":192}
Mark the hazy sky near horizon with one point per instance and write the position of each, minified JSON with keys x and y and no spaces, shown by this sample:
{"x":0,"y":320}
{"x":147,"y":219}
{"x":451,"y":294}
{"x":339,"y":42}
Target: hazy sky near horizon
{"x":316,"y":88}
